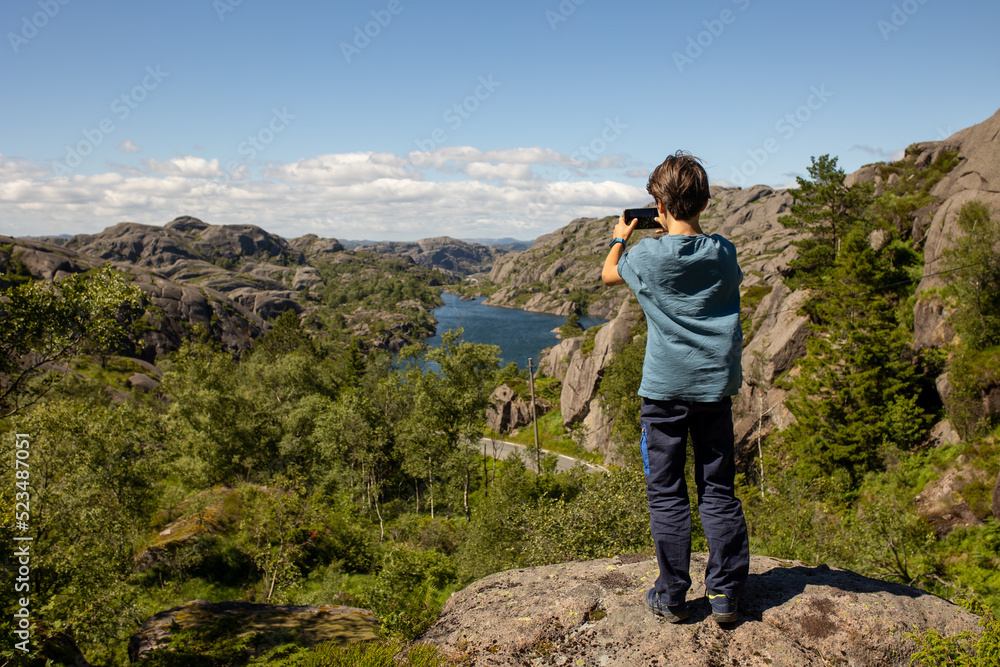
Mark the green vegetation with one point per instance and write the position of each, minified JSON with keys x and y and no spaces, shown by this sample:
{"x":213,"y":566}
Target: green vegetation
{"x":963,"y":650}
{"x":827,"y":209}
{"x":311,"y":472}
{"x":572,"y":327}
{"x":49,"y":324}
{"x":382,"y":291}
{"x":842,"y":480}
{"x":749,"y":301}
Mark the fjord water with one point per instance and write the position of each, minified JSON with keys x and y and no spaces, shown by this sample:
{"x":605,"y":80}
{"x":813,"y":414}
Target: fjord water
{"x":519,"y":333}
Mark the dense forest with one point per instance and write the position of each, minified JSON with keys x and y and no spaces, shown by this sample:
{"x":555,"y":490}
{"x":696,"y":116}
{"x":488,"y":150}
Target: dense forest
{"x":316,"y":469}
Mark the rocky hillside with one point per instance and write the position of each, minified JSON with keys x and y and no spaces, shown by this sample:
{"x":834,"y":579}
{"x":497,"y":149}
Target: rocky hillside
{"x":457,"y":258}
{"x":593,"y":613}
{"x":232,"y":279}
{"x":173,"y":307}
{"x":560,"y":274}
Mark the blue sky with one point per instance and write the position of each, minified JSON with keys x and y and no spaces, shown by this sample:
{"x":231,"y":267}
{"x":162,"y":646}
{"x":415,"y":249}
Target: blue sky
{"x":403,"y":119}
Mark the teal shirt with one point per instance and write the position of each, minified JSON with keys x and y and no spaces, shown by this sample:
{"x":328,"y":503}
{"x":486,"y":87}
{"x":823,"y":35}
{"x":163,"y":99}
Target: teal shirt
{"x":689,"y":288}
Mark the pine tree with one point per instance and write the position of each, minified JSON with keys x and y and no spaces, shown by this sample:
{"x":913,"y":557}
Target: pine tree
{"x":856,"y":394}
{"x":827,"y":209}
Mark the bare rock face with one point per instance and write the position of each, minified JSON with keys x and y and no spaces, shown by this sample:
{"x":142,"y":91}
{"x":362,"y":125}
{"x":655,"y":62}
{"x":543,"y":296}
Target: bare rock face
{"x":450,"y":255}
{"x":555,"y":361}
{"x":585,"y":368}
{"x":977,"y":177}
{"x":942,"y":502}
{"x":311,"y":245}
{"x":943,"y":433}
{"x":509,"y":411}
{"x":594,"y":613}
{"x":778,"y":335}
{"x":314,"y":624}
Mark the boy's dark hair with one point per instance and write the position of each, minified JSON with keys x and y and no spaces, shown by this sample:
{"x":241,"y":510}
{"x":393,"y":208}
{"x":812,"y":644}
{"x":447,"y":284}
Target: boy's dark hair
{"x":680,"y":184}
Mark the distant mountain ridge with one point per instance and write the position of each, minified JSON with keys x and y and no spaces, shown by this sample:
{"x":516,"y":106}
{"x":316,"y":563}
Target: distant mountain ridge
{"x":443,"y":252}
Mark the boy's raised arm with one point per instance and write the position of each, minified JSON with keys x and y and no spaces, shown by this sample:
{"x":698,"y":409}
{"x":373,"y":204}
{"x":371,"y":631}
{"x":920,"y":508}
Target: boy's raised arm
{"x":609,"y":273}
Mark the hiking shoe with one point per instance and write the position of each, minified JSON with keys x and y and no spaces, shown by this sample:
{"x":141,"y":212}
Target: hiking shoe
{"x":723,"y":607}
{"x":672,"y":613}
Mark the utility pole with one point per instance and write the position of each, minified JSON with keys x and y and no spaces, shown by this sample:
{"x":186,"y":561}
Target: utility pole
{"x":534,"y":421}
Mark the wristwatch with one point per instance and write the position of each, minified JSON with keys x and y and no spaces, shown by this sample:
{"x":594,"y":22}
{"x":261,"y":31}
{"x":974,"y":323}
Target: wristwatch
{"x":616,"y":240}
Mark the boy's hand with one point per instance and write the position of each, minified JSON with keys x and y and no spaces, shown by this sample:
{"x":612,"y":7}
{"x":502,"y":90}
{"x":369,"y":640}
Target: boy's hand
{"x":624,"y":230}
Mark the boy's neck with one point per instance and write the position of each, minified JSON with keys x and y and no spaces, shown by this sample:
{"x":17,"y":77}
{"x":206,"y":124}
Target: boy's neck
{"x":681,"y":227}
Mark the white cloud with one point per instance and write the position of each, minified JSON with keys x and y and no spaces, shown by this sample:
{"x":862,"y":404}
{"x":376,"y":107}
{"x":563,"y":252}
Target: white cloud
{"x":128,"y":146}
{"x":353,"y":195}
{"x":185,"y":165}
{"x":344,"y":168}
{"x":441,"y":157}
{"x":485,"y":171}
{"x":891,"y":156}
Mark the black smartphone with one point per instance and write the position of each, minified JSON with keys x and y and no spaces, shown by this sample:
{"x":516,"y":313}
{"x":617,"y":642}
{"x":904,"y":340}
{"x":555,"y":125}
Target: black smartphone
{"x":646,"y":216}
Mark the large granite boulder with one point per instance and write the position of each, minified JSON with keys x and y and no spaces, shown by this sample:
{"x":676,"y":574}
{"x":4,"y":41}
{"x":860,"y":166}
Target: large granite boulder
{"x":508,"y":410}
{"x":593,"y":613}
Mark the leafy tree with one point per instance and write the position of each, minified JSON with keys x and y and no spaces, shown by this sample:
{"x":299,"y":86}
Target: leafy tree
{"x":827,"y":209}
{"x":94,"y":471}
{"x":449,"y":414}
{"x":46,"y":323}
{"x":279,"y":523}
{"x":359,"y":434}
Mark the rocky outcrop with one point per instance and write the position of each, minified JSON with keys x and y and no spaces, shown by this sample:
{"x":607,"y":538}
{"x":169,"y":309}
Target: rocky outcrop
{"x":594,"y":613}
{"x":219,"y":508}
{"x":943,"y":503}
{"x":555,"y":360}
{"x":508,"y":411}
{"x":452,"y":256}
{"x":312,"y":246}
{"x":542,"y":278}
{"x":184,"y":238}
{"x":172,"y":307}
{"x":311,"y":625}
{"x":976,"y":177}
{"x":586,"y":365}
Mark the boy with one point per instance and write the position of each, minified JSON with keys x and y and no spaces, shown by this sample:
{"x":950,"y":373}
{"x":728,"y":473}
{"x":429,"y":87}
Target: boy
{"x":688,"y":286}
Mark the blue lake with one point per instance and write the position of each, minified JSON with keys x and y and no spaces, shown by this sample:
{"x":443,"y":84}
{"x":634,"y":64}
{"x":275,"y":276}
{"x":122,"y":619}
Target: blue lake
{"x":519,"y":333}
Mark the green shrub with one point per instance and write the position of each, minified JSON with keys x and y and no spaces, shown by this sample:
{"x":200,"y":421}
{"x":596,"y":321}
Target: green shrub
{"x":404,"y":594}
{"x":966,"y":649}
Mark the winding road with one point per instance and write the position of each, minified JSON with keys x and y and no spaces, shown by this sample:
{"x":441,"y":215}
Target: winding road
{"x":564,"y":463}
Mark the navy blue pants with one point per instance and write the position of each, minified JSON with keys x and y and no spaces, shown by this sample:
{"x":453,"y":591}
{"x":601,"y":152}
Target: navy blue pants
{"x":665,"y":427}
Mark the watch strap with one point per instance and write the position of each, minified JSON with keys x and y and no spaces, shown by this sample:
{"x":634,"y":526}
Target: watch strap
{"x":616,"y":240}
